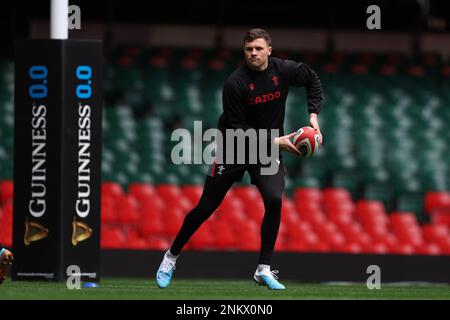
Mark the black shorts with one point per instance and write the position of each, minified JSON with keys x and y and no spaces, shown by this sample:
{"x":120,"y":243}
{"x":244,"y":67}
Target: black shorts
{"x":235,"y":172}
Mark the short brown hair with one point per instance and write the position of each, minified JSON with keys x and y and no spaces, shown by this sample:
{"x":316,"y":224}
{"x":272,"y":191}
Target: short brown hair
{"x":257,"y":33}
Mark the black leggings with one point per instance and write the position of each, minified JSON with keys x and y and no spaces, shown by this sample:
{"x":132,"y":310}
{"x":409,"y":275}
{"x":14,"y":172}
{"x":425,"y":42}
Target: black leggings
{"x":271,"y":189}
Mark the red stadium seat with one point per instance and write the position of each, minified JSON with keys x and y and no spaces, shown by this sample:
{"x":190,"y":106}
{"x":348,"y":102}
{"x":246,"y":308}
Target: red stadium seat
{"x":329,"y":233}
{"x":350,"y":247}
{"x":436,"y":233}
{"x":441,"y":216}
{"x":403,"y":218}
{"x":281,"y":244}
{"x":6,"y":191}
{"x":233,"y":217}
{"x":428,"y":249}
{"x":290,"y":220}
{"x":182,"y":203}
{"x":246,"y":193}
{"x":154,"y":203}
{"x":113,"y":238}
{"x":340,"y":217}
{"x":254,"y":210}
{"x":170,"y":193}
{"x":6,"y":224}
{"x":137,"y":244}
{"x":369,"y":206}
{"x":314,"y":218}
{"x":301,"y":237}
{"x":172,"y":219}
{"x":436,"y":200}
{"x":203,"y":238}
{"x":308,"y":194}
{"x":305,"y":237}
{"x":112,"y":189}
{"x":193,"y":193}
{"x":309,"y":207}
{"x":7,"y":213}
{"x":374,"y":218}
{"x":376,"y":232}
{"x":108,"y":212}
{"x":231,"y":204}
{"x":353,"y":232}
{"x":224,"y":235}
{"x":158,"y":243}
{"x":445,"y":247}
{"x":248,"y":236}
{"x":344,"y":205}
{"x":141,"y":191}
{"x":336,"y":195}
{"x":408,"y":232}
{"x":127,"y":210}
{"x":246,"y":227}
{"x":288,"y":206}
{"x":152,"y":227}
{"x":296,"y":247}
{"x":402,"y":248}
{"x":376,"y":248}
{"x":320,"y":246}
{"x":406,"y":229}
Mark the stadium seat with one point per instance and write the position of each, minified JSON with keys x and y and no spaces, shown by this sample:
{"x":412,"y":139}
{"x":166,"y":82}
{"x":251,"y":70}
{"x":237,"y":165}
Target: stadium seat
{"x":193,"y":192}
{"x":170,"y":193}
{"x":336,"y":194}
{"x":248,"y":236}
{"x":112,"y":238}
{"x":340,"y":217}
{"x":354,"y":233}
{"x":436,"y":200}
{"x":6,"y":191}
{"x":157,"y":243}
{"x":376,"y":248}
{"x":141,"y":191}
{"x":246,"y":193}
{"x":308,"y":194}
{"x":402,"y":248}
{"x":441,"y":217}
{"x":108,"y":212}
{"x":329,"y":233}
{"x":428,"y":249}
{"x":127,"y":210}
{"x":112,"y":189}
{"x":203,"y":238}
{"x":172,"y":219}
{"x":224,"y":236}
{"x":436,"y":233}
{"x":350,"y":247}
{"x":352,"y":183}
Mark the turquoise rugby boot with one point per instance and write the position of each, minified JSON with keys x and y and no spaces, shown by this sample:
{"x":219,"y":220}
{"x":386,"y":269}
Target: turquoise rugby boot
{"x":269,"y":279}
{"x":165,"y":272}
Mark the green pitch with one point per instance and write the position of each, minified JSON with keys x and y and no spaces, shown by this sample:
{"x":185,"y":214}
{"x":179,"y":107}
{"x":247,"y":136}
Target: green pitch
{"x":182,"y":289}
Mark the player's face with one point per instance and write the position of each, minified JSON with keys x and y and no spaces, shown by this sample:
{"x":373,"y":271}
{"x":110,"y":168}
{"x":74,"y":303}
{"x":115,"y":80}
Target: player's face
{"x":257,"y":54}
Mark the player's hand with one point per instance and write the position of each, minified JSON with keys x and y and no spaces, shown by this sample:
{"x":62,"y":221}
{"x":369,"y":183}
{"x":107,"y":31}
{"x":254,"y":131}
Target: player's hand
{"x":314,"y":122}
{"x":284,"y":143}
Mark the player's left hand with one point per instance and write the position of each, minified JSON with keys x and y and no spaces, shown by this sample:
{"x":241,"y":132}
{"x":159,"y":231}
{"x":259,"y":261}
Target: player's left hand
{"x":314,"y":122}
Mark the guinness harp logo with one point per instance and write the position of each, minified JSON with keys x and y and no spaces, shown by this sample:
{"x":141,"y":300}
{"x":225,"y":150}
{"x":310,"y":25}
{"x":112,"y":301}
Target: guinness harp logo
{"x":34,"y":231}
{"x":80,"y":231}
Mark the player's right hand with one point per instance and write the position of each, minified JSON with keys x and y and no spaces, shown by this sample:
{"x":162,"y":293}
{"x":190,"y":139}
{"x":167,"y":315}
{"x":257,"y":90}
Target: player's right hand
{"x":285,"y":143}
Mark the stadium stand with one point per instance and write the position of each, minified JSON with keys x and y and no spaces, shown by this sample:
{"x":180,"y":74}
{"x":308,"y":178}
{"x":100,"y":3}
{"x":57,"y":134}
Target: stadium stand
{"x":380,"y":183}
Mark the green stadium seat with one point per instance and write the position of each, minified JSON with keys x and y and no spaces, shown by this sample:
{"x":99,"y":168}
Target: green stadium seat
{"x":412,"y":202}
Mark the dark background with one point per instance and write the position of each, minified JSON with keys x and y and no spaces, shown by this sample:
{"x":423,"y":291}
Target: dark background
{"x":398,"y":15}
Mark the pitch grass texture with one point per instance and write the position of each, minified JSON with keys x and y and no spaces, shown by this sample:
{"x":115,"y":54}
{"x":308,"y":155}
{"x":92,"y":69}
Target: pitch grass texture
{"x":182,"y":289}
